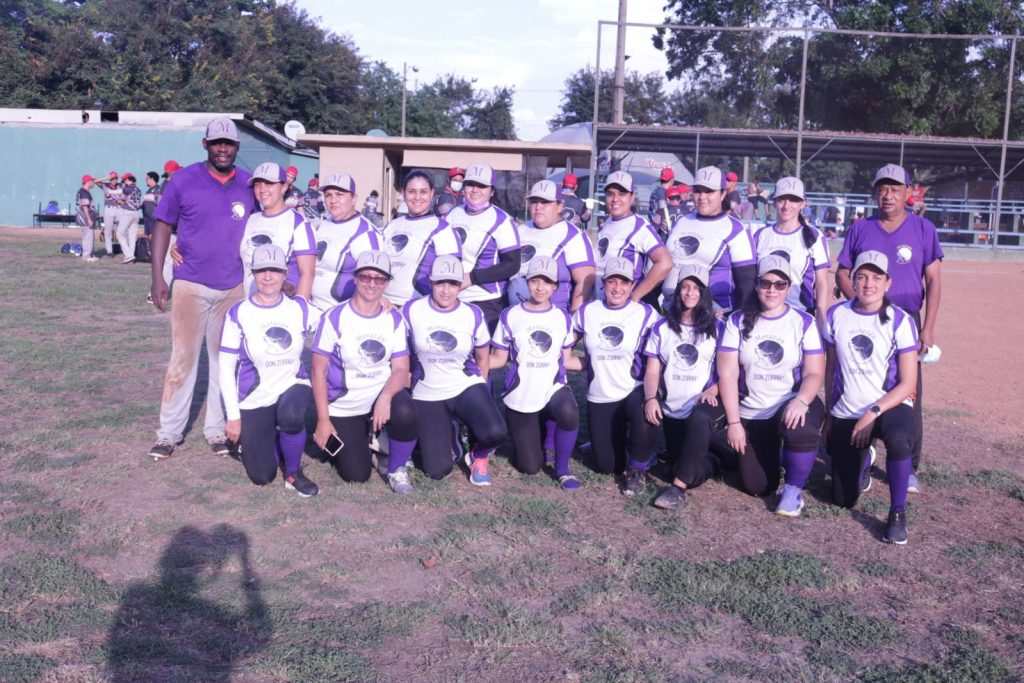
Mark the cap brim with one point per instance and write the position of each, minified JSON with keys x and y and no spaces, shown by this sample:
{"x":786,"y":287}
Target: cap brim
{"x":382,"y":272}
{"x":621,"y":187}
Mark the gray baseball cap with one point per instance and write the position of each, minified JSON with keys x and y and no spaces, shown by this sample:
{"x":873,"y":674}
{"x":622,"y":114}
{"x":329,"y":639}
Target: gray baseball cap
{"x":709,"y":178}
{"x":789,"y":187}
{"x":773,"y":263}
{"x":374,"y":259}
{"x":447,"y":268}
{"x":617,"y":266}
{"x":875,"y":259}
{"x":481,"y":174}
{"x":269,"y":172}
{"x":269,"y":256}
{"x":543,"y":266}
{"x":621,"y":179}
{"x":892,"y":172}
{"x":340,"y":181}
{"x":696,"y":272}
{"x":545,"y":190}
{"x":221,"y":128}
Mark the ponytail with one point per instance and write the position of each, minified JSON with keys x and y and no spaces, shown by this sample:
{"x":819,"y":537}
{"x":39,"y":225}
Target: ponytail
{"x":751,"y":309}
{"x":883,"y":315}
{"x":806,"y":231}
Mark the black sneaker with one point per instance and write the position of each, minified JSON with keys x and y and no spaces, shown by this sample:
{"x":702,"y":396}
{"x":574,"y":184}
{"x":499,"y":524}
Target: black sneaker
{"x":636,"y":483}
{"x":161,"y":450}
{"x":896,"y":532}
{"x":301,"y":484}
{"x":220,"y":445}
{"x":672,"y":498}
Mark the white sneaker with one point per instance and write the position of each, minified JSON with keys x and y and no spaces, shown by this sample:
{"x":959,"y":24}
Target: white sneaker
{"x":399,"y":482}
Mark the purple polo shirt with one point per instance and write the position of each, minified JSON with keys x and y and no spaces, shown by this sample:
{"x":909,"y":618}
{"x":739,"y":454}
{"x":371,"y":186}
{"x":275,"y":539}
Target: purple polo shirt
{"x":210,"y":217}
{"x":911,"y":248}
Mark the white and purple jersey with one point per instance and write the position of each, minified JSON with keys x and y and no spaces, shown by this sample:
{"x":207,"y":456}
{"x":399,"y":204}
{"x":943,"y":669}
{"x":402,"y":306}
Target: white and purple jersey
{"x":566,"y":245}
{"x":867,"y":355}
{"x":359,"y":350}
{"x":534,"y":341}
{"x":210,"y":218}
{"x":288,"y":230}
{"x":911,"y":248}
{"x":413,"y":243}
{"x":804,"y":262}
{"x":614,"y":339}
{"x":443,"y":345}
{"x":771,"y":361}
{"x":267,"y":342}
{"x":630,"y":237}
{"x":338,"y":245}
{"x":485,"y":236}
{"x":687,"y":365}
{"x":718,"y":243}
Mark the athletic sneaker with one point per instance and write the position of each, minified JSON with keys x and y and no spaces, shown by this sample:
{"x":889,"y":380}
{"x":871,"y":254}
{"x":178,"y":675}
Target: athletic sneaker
{"x":636,"y":482}
{"x":149,"y":298}
{"x":90,"y":259}
{"x":672,"y":498}
{"x":297,"y":481}
{"x":896,"y":531}
{"x":913,"y":485}
{"x":568,"y":482}
{"x":478,"y":474}
{"x":399,"y":482}
{"x":220,"y":445}
{"x":865,"y":475}
{"x":791,"y":502}
{"x":161,"y":450}
{"x":129,"y":260}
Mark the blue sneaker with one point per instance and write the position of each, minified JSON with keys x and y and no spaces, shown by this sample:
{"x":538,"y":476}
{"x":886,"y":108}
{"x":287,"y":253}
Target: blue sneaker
{"x":913,"y":485}
{"x":478,"y":474}
{"x":791,"y":502}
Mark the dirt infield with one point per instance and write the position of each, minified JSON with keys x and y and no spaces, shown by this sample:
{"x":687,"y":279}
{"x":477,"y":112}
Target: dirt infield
{"x":113,"y":567}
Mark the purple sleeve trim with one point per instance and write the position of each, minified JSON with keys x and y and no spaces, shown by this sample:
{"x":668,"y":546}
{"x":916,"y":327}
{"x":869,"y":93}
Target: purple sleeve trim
{"x":726,"y":348}
{"x":399,"y":354}
{"x":499,"y":345}
{"x":821,"y":267}
{"x":909,"y":349}
{"x":321,"y":352}
{"x":813,"y":352}
{"x":227,"y":350}
{"x":650,"y":354}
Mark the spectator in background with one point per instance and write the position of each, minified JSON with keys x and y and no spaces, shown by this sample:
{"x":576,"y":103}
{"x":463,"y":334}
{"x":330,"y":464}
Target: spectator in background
{"x":575,"y":211}
{"x":674,"y":199}
{"x":916,"y":198}
{"x":128,"y":225}
{"x":149,"y":202}
{"x":170,"y":168}
{"x":370,"y":205}
{"x":732,"y":196}
{"x":85,"y":217}
{"x":757,"y":201}
{"x":313,"y":203}
{"x":657,"y":208}
{"x":111,"y":209}
{"x":452,"y":191}
{"x":292,"y":195}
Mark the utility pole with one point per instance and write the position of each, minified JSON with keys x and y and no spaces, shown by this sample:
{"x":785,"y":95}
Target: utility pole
{"x":620,"y":66}
{"x":405,"y":80}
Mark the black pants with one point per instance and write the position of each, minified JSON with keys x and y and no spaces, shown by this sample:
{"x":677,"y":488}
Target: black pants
{"x":475,"y":407}
{"x":353,"y":462}
{"x":916,"y":429}
{"x":689,"y":443}
{"x":259,"y":431}
{"x":759,"y":465}
{"x":526,"y":428}
{"x":492,"y":308}
{"x":608,"y":427}
{"x":893,"y":427}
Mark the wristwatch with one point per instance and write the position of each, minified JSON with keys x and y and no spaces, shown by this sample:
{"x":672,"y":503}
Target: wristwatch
{"x":875,"y":409}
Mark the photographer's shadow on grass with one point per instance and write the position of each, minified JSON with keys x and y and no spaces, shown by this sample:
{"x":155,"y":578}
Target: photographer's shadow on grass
{"x":203,"y":615}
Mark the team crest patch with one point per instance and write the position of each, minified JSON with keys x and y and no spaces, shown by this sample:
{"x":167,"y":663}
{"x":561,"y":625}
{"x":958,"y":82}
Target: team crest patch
{"x":904,"y":253}
{"x":237,"y":210}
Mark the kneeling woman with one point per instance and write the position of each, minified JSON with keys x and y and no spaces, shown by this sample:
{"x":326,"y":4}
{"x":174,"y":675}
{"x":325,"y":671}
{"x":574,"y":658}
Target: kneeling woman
{"x":872,"y":371}
{"x":360,"y":371}
{"x":264,"y":385}
{"x":537,"y":338}
{"x":614,"y":333}
{"x":681,"y":361}
{"x":774,"y":352}
{"x":451,"y":348}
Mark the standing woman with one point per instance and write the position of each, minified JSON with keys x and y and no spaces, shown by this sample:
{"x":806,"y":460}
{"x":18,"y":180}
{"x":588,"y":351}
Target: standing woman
{"x":536,"y":336}
{"x":774,"y":352}
{"x":614,"y":333}
{"x":415,"y":240}
{"x":871,"y":371}
{"x":264,"y":385}
{"x":681,"y":364}
{"x":360,"y":374}
{"x":451,"y":348}
{"x":711,"y":237}
{"x":803,"y":245}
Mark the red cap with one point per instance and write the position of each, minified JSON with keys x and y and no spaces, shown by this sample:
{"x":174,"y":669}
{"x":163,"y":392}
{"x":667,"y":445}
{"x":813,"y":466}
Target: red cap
{"x":674,"y":191}
{"x":126,"y":176}
{"x":292,"y":171}
{"x":683,"y":189}
{"x":731,"y":176}
{"x":570,"y":180}
{"x":112,"y":175}
{"x":313,"y":182}
{"x":667,"y":174}
{"x":87,"y":178}
{"x":456,"y":171}
{"x":171,"y":166}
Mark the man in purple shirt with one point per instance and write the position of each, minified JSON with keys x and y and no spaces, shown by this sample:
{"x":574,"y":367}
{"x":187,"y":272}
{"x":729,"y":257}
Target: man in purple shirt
{"x":915,"y":257}
{"x":208,"y":202}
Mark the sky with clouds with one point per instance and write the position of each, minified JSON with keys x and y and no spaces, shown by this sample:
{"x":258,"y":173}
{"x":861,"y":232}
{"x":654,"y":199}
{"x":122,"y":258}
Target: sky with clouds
{"x":531,"y":45}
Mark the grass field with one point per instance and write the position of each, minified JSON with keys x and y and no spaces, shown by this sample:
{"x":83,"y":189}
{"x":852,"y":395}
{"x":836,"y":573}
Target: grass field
{"x":113,"y":567}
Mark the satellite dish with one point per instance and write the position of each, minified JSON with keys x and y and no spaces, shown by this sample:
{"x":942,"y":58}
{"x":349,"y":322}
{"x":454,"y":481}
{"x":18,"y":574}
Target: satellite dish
{"x":293,"y":129}
{"x":376,"y":133}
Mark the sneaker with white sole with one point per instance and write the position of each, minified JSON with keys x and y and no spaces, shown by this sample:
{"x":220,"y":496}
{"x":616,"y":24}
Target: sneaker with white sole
{"x":865,"y":475}
{"x":297,"y":481}
{"x":399,"y":481}
{"x":672,"y":498}
{"x":161,"y":450}
{"x":219,"y":445}
{"x":896,"y":529}
{"x":636,"y":482}
{"x":913,"y":485}
{"x":791,"y":502}
{"x":478,"y":470}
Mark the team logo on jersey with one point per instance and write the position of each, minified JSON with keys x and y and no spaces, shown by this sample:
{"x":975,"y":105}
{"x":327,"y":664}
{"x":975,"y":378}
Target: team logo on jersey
{"x":687,"y":353}
{"x":398,"y":243}
{"x":689,"y":244}
{"x":441,"y":341}
{"x":371,"y":352}
{"x":278,"y":340}
{"x":568,"y":215}
{"x":770,"y":353}
{"x":611,"y":337}
{"x":862,"y":346}
{"x":527,"y":253}
{"x":238,"y":210}
{"x":903,"y":254}
{"x":260,"y":240}
{"x":321,"y":248}
{"x":461,"y":232}
{"x":602,"y":246}
{"x":540,"y":343}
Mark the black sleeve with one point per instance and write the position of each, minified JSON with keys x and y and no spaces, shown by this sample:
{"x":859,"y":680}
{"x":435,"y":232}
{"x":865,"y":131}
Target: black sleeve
{"x":508,"y":265}
{"x":743,"y":277}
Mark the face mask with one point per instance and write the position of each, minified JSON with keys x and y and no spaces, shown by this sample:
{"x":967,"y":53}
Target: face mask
{"x":477,"y":207}
{"x":457,"y":185}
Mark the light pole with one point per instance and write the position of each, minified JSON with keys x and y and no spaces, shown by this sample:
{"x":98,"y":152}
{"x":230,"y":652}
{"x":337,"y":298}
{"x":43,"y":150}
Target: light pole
{"x":405,"y":79}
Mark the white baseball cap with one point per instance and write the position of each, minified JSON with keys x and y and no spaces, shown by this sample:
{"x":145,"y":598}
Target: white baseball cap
{"x":621,"y":179}
{"x":543,"y":266}
{"x":267,"y":256}
{"x":709,"y":178}
{"x":377,"y":260}
{"x":481,"y":174}
{"x":873,"y":258}
{"x":447,"y":268}
{"x":773,"y":263}
{"x":618,"y":266}
{"x":789,"y":187}
{"x":695,"y":271}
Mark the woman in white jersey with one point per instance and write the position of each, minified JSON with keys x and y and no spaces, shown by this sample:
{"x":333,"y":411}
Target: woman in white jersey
{"x":770,"y":366}
{"x":803,"y":245}
{"x":681,"y":365}
{"x":264,"y":386}
{"x":614,"y":332}
{"x":451,"y":348}
{"x":360,"y":374}
{"x":414,"y":240}
{"x":871,"y":374}
{"x":713,"y":238}
{"x":536,"y":336}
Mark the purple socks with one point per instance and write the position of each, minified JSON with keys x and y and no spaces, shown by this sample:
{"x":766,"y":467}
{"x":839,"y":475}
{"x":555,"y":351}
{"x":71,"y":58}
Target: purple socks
{"x":549,"y":434}
{"x":798,"y":466}
{"x":898,"y":472}
{"x":399,"y":453}
{"x":564,"y":442}
{"x":290,"y":449}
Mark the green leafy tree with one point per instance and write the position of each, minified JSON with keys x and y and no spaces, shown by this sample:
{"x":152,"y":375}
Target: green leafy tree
{"x":644,"y":102}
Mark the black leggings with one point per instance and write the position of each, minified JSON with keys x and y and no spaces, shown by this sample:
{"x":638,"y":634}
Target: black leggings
{"x":759,"y":464}
{"x":893,"y":427}
{"x":475,"y":407}
{"x":689,"y":443}
{"x":526,"y":428}
{"x":608,"y":423}
{"x":259,"y":431}
{"x":353,"y":463}
{"x":491,"y":309}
